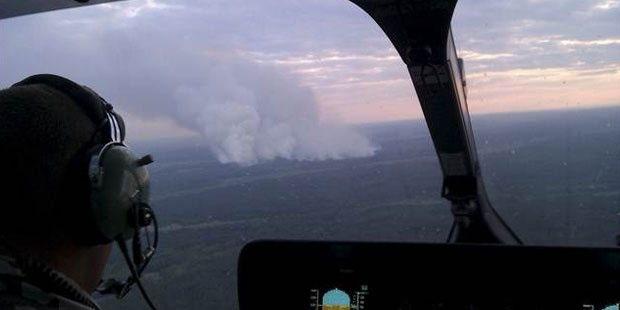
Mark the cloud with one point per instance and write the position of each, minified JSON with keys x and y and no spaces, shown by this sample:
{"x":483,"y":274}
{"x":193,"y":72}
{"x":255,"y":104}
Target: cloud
{"x":135,"y":8}
{"x":596,"y":42}
{"x":473,"y":56}
{"x":543,"y":88}
{"x":136,"y":52}
{"x":557,"y":74}
{"x":607,"y":5}
{"x":334,"y":57}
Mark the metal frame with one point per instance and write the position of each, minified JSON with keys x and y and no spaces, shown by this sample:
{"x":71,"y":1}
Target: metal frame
{"x":421,"y":33}
{"x":14,"y":8}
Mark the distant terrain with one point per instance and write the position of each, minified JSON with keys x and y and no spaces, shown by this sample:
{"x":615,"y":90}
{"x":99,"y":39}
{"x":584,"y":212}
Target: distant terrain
{"x":554,"y":176}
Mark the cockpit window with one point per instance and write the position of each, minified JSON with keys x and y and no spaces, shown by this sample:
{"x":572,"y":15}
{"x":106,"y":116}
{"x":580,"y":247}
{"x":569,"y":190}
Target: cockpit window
{"x":298,"y":120}
{"x":546,"y":114}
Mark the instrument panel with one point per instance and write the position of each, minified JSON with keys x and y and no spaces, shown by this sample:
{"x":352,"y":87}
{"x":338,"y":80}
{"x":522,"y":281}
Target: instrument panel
{"x":385,"y":276}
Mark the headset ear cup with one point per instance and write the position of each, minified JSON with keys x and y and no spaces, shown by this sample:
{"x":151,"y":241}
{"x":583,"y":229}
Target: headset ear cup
{"x":118,"y":186}
{"x":101,"y":192}
{"x":103,"y":186}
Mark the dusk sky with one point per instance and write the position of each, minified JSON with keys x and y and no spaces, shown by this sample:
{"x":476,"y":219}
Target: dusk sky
{"x":519,"y":55}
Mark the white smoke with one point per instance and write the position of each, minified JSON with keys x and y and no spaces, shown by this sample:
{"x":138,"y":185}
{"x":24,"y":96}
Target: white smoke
{"x":249,"y":112}
{"x":246,"y":111}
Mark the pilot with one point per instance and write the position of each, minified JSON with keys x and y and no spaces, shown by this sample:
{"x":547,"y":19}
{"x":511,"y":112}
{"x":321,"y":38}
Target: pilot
{"x":53,"y":244}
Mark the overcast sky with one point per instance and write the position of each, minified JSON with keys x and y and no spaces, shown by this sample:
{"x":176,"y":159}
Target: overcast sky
{"x":520,"y":55}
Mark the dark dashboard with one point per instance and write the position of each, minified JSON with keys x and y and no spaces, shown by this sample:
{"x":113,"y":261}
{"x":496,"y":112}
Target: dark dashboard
{"x":385,"y":276}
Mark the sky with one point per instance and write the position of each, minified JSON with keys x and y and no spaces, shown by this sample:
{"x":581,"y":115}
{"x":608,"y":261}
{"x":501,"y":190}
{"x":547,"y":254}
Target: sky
{"x":146,"y":56}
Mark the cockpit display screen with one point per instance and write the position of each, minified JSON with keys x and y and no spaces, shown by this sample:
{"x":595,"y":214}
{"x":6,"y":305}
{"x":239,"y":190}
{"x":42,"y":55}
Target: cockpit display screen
{"x":397,"y":276}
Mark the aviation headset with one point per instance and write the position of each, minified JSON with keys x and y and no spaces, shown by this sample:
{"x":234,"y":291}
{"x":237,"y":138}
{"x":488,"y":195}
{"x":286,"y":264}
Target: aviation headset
{"x":114,"y":179}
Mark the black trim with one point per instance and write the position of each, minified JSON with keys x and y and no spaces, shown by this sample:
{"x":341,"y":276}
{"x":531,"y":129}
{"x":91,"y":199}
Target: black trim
{"x":420,"y":31}
{"x":14,"y":8}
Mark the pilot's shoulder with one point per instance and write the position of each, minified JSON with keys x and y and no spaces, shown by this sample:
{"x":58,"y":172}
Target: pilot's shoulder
{"x":18,"y":294}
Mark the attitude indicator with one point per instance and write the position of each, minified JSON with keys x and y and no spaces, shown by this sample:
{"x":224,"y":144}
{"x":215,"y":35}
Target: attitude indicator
{"x":338,"y":298}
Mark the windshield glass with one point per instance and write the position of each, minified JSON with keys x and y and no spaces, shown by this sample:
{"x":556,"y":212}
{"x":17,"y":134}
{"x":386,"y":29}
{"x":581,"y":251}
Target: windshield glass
{"x":545,"y":106}
{"x":298,"y":120}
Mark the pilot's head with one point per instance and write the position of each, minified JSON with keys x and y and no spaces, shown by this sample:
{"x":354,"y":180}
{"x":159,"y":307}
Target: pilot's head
{"x":71,"y":188}
{"x":42,"y":133}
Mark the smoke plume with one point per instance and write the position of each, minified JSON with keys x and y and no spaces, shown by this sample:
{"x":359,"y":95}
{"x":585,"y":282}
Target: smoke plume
{"x":249,"y":112}
{"x":156,"y":66}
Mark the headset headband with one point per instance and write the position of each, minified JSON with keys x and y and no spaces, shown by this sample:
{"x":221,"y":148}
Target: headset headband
{"x":99,"y":111}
